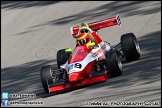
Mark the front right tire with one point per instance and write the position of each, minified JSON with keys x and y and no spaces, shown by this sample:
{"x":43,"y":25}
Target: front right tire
{"x":113,"y":62}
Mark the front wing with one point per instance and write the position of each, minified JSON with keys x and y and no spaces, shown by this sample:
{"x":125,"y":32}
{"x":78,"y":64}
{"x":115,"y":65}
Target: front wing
{"x":62,"y":85}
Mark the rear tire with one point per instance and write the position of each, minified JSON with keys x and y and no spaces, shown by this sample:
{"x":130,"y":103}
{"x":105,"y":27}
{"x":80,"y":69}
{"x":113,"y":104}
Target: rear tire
{"x":62,"y":57}
{"x":130,"y":47}
{"x":114,"y":64}
{"x":46,"y":77}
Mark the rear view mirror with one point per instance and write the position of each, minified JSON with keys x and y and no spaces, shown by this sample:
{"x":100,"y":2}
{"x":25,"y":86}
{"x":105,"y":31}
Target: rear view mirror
{"x":68,"y":50}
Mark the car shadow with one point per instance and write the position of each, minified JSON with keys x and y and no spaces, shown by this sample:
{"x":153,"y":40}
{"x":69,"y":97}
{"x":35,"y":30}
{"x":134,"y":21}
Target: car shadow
{"x":25,"y":4}
{"x":115,"y":7}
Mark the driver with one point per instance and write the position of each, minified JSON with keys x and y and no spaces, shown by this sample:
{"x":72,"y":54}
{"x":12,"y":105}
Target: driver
{"x":85,"y":38}
{"x":84,"y":29}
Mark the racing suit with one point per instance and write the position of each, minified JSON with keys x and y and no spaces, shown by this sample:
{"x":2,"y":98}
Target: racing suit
{"x":104,"y":45}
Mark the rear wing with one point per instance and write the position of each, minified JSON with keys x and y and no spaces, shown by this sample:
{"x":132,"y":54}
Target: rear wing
{"x":114,"y":20}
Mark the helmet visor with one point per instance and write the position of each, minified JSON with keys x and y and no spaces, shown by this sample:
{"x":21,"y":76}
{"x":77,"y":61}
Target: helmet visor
{"x":83,"y":41}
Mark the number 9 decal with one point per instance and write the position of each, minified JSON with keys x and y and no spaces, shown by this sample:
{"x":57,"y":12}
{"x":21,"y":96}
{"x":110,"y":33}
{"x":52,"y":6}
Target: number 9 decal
{"x":76,"y":65}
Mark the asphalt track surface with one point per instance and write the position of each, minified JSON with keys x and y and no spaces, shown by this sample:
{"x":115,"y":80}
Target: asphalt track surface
{"x":33,"y":31}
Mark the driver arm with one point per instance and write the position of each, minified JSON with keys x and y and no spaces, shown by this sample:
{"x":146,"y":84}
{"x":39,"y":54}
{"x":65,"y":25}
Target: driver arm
{"x":96,"y":37}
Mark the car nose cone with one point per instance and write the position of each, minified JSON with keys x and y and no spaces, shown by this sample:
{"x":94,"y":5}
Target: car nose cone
{"x":73,"y":77}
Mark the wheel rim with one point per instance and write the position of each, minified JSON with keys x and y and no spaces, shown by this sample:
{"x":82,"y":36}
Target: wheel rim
{"x":119,"y":63}
{"x":51,"y":73}
{"x":137,"y":46}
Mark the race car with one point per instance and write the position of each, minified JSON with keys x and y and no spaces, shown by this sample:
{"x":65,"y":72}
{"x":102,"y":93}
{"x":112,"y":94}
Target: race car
{"x":84,"y":66}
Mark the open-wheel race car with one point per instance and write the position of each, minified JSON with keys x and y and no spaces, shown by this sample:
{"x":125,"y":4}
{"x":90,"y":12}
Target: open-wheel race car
{"x":84,"y":66}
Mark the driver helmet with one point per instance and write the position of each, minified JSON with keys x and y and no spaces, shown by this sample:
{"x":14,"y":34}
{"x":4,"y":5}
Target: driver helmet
{"x":82,"y":39}
{"x":83,"y":28}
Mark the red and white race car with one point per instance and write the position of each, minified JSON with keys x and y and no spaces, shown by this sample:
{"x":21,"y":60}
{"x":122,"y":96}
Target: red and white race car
{"x":83,"y":66}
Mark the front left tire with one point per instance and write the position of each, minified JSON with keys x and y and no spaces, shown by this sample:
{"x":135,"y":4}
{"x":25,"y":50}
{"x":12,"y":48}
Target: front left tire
{"x":46,"y":77}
